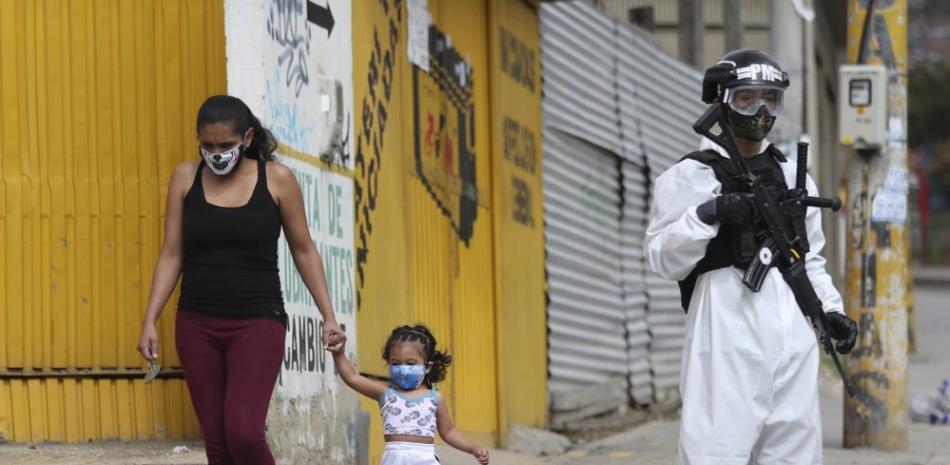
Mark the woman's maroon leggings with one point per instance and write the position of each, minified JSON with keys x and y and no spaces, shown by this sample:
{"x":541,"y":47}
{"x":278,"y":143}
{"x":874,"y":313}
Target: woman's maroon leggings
{"x":231,"y":367}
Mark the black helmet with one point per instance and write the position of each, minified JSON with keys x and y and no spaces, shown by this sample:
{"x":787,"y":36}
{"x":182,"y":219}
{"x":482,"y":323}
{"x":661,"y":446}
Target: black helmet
{"x":746,"y":82}
{"x":742,"y":67}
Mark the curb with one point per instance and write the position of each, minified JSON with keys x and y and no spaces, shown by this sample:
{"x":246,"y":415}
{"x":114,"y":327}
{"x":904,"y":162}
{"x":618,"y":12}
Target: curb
{"x":931,"y":275}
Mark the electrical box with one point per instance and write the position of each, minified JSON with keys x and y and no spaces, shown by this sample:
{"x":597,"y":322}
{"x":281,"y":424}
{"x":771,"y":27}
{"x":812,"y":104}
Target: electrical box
{"x":862,"y":114}
{"x":329,"y":119}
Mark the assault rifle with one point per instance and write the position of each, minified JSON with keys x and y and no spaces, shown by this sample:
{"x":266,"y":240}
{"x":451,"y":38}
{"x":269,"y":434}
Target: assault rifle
{"x":783,"y":246}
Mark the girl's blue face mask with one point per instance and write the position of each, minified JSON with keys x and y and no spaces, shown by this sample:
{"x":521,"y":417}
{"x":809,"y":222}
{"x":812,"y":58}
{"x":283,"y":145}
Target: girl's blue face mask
{"x":407,"y":377}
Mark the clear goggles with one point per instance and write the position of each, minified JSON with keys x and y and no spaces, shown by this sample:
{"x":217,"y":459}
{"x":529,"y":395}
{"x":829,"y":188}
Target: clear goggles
{"x":748,"y":100}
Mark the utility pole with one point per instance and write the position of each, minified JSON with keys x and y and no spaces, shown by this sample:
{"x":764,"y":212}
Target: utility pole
{"x":878,"y":294}
{"x":732,"y":22}
{"x":691,"y":28}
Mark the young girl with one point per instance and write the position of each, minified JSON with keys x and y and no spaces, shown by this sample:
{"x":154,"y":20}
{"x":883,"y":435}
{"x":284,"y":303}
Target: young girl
{"x":411,"y":407}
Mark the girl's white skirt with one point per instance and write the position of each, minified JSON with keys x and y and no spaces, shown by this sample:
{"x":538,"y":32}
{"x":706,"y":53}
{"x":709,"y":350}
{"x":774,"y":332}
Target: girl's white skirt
{"x":409,"y":453}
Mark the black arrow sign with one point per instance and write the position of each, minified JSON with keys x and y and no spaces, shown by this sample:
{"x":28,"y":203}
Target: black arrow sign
{"x":320,"y":16}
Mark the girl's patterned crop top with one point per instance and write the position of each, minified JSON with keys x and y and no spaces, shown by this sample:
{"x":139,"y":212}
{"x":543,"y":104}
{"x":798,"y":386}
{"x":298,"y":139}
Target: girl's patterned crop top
{"x":409,"y":417}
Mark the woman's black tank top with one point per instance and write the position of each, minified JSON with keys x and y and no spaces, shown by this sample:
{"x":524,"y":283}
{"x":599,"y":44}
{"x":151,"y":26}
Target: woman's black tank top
{"x":230,"y":255}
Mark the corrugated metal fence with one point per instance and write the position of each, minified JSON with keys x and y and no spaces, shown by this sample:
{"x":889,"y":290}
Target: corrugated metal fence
{"x":617,"y":112}
{"x":97,"y":101}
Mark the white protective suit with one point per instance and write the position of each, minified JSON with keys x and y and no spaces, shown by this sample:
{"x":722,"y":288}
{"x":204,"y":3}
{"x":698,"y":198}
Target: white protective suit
{"x":750,"y":361}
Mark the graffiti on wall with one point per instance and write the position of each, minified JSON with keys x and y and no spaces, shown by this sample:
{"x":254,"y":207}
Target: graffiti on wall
{"x":517,"y":60}
{"x":519,"y":141}
{"x":871,"y":385}
{"x":309,"y":89}
{"x":286,"y":121}
{"x":369,"y":142}
{"x":520,"y":149}
{"x":287,"y":27}
{"x":444,"y":133}
{"x":880,"y":34}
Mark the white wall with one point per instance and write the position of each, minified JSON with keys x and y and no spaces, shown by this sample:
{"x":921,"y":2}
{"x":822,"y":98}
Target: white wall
{"x":288,"y":69}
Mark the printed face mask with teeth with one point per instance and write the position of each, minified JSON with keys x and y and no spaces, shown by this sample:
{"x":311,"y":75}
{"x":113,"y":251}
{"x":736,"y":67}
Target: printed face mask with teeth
{"x":225,"y":162}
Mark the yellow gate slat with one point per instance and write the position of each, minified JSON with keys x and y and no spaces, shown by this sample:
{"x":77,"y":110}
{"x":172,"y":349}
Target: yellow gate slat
{"x":10,"y":211}
{"x":21,"y":411}
{"x":90,"y":410}
{"x":158,"y":403}
{"x":82,"y":84}
{"x":36,"y":399}
{"x":125,"y":411}
{"x":55,"y":410}
{"x":144,"y":419}
{"x":175,"y":407}
{"x":6,"y":412}
{"x":72,"y":406}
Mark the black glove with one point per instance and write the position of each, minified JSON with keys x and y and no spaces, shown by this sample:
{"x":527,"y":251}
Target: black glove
{"x":732,"y":209}
{"x":842,"y":329}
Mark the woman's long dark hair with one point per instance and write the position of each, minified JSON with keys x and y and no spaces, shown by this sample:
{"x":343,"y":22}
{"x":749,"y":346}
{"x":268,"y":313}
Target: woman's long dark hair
{"x":228,"y":109}
{"x":439,"y":361}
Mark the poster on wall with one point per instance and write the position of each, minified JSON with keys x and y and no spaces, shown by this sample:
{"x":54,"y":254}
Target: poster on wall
{"x":308,"y":368}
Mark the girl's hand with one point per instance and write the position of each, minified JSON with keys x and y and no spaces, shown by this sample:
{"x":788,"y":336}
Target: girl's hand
{"x":148,"y":342}
{"x":481,"y":454}
{"x":333,"y":337}
{"x":336,"y":349}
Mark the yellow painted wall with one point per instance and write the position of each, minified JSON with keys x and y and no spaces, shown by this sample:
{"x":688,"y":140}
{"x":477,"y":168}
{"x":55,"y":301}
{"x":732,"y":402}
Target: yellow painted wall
{"x":382,"y":268}
{"x":84,"y":409}
{"x":436,"y":237}
{"x":514,"y":38}
{"x":97,"y":105}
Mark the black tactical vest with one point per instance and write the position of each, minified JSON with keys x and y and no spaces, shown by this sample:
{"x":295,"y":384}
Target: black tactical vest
{"x":736,"y":246}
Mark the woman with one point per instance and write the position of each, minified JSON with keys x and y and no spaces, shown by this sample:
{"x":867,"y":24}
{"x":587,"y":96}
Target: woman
{"x":224,"y":216}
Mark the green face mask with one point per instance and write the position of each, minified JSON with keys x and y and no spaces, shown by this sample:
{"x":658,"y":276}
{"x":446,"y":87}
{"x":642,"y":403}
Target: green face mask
{"x":753,"y":128}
